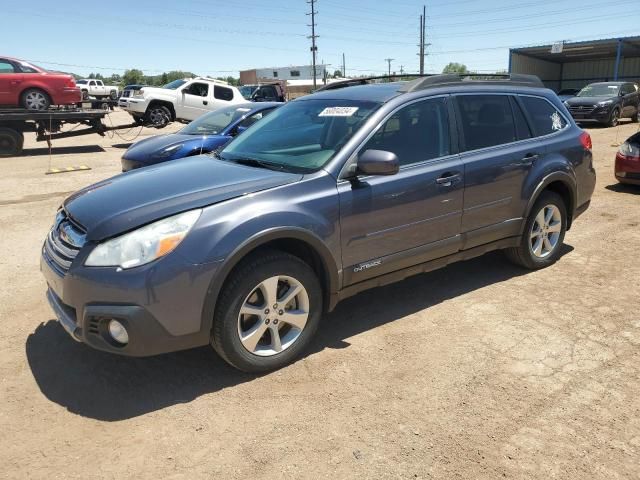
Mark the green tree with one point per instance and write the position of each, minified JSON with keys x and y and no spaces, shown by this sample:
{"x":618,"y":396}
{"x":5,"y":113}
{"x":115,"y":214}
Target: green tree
{"x":455,"y":68}
{"x":337,"y":74}
{"x":132,"y":76}
{"x":164,"y":79}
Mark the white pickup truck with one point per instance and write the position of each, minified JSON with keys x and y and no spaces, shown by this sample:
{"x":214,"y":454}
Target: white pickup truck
{"x":96,"y":89}
{"x":184,"y":99}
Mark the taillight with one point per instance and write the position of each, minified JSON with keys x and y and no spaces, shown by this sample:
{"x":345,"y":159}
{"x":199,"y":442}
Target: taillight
{"x":585,"y":140}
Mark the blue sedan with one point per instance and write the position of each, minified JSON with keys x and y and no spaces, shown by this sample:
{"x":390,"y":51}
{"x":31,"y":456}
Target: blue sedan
{"x":203,"y":135}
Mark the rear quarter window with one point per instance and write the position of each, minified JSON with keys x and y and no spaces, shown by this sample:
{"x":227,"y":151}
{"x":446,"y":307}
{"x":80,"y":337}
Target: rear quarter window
{"x":545,"y":118}
{"x":223,"y":93}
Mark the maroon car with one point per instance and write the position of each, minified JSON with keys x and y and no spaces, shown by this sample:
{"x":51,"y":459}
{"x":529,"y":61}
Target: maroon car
{"x":627,"y":166}
{"x":31,"y":87}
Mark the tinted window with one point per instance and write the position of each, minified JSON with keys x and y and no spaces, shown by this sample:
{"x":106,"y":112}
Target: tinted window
{"x":544,"y":116}
{"x":197,"y":89}
{"x":486,"y":121}
{"x":415,"y":133}
{"x":6,"y":67}
{"x":250,"y":120}
{"x":628,"y":88}
{"x":522,"y":128}
{"x":223,"y":93}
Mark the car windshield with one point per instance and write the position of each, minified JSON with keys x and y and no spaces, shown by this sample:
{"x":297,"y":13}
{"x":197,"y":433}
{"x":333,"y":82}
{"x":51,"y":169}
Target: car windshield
{"x":175,"y":84}
{"x":301,"y":136}
{"x":215,"y":122}
{"x":247,"y":91}
{"x":81,"y":82}
{"x":599,"y":90}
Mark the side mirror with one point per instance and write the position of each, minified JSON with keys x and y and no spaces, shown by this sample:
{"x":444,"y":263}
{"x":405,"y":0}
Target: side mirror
{"x":377,"y":162}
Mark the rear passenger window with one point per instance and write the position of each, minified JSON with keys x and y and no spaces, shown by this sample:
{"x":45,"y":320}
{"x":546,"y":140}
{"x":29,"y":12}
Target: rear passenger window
{"x":415,"y":133}
{"x":487,"y":121}
{"x":223,"y":93}
{"x":544,"y":116}
{"x":6,"y":67}
{"x":522,"y":128}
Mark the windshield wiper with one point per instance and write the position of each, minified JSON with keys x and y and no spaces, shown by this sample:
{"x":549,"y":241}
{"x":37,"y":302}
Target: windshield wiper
{"x":254,"y":162}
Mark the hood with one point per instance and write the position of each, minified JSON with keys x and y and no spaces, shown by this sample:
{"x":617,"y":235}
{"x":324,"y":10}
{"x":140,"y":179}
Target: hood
{"x":579,"y":101}
{"x":133,"y":199}
{"x":159,"y":91}
{"x":144,"y":150}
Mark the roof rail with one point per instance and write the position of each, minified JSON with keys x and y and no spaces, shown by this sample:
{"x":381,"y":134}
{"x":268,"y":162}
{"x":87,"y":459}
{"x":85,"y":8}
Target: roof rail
{"x":472,"y":78}
{"x":352,"y":82}
{"x":211,"y":79}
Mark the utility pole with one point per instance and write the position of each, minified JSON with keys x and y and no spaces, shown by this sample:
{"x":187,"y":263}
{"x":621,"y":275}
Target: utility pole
{"x":401,"y":69}
{"x":424,"y":37}
{"x":313,"y":37}
{"x":344,"y":67}
{"x":421,"y":45}
{"x":389,"y":60}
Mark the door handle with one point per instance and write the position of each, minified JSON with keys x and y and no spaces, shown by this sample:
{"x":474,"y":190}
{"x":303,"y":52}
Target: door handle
{"x":204,"y":102}
{"x":528,"y":159}
{"x":448,"y":179}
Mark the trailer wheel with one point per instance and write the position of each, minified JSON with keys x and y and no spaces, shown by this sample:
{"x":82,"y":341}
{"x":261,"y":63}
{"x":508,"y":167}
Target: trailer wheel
{"x":11,"y":142}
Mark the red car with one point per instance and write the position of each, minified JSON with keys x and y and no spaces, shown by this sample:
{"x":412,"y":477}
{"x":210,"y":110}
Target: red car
{"x":31,"y":87}
{"x":627,"y":169}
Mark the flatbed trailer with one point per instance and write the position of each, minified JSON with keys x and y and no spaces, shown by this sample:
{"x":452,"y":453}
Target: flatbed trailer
{"x":47,"y":126}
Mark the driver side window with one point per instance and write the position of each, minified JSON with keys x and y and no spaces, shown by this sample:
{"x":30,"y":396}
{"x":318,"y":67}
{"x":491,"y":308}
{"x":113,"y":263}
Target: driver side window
{"x":415,"y":133}
{"x":197,"y":89}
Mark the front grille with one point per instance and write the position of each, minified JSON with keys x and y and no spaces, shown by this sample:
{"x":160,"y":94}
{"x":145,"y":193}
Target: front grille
{"x":581,"y":109}
{"x":63,"y":243}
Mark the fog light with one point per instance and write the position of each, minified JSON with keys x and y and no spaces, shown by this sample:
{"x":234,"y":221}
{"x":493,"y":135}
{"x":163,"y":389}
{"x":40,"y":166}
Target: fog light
{"x":118,"y":332}
{"x":621,"y":174}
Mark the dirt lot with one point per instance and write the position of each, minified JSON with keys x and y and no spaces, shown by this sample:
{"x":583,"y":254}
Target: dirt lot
{"x":480,"y":370}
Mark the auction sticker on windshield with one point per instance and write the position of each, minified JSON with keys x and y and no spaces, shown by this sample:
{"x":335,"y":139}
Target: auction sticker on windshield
{"x":338,"y":112}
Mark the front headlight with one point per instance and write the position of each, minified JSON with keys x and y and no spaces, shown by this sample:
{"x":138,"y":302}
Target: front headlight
{"x":606,"y":103}
{"x":138,"y":94}
{"x":166,"y":152}
{"x":145,"y":244}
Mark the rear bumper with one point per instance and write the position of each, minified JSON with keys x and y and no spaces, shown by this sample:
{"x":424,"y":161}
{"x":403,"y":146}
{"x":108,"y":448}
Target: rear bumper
{"x":67,"y":96}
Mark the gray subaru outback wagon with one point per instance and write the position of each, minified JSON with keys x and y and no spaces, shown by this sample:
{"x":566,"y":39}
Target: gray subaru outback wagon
{"x":333,"y":193}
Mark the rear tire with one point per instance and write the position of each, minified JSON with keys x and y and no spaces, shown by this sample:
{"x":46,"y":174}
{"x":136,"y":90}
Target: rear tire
{"x":281,"y":298}
{"x":35,"y":99}
{"x":636,"y":116}
{"x":543,"y":233}
{"x":11,"y":142}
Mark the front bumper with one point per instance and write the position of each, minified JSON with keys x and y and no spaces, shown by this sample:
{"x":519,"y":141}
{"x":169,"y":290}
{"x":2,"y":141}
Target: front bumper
{"x":597,"y":115}
{"x":627,"y":170}
{"x":134,"y":105}
{"x":160,"y":304}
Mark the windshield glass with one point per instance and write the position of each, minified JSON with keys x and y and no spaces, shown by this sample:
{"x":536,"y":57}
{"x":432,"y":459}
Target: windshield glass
{"x":599,"y":90}
{"x":247,"y":91}
{"x":80,"y":82}
{"x":215,"y":122}
{"x":301,"y":136}
{"x":175,"y":84}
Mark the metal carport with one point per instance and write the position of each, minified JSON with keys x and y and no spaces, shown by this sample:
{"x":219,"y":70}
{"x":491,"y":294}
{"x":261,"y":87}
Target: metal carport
{"x":580,"y":63}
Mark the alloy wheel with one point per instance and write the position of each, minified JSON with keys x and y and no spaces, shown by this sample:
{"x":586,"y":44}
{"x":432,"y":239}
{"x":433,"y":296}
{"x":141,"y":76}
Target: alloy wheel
{"x":273,"y":316}
{"x":545,"y":231}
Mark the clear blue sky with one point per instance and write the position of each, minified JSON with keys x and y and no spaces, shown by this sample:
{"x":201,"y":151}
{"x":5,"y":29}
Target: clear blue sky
{"x":219,"y":38}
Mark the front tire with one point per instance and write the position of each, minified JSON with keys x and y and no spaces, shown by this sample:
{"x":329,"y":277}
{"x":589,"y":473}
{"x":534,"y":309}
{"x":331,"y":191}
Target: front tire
{"x":35,"y":99}
{"x":267,"y":312}
{"x":158,"y":116}
{"x":636,"y":116}
{"x":614,"y":119}
{"x":543,"y":234}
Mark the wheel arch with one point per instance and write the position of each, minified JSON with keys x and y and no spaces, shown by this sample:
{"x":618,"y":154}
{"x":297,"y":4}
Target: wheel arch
{"x":561,"y":183}
{"x":163,"y":103}
{"x":298,"y":242}
{"x":35,"y":87}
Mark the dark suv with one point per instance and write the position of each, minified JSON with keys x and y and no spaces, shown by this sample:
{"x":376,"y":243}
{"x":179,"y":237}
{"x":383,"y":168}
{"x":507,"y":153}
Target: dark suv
{"x":332,"y":194}
{"x":605,"y":103}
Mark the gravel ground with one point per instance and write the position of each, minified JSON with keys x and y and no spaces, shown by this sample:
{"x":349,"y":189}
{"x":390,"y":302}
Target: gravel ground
{"x":480,"y":370}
